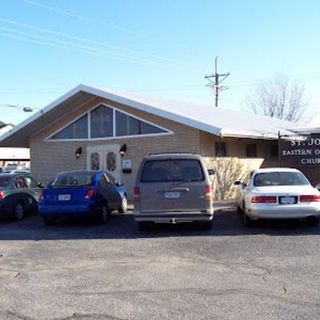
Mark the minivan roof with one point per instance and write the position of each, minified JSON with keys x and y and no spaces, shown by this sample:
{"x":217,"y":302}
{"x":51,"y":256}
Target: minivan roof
{"x":176,"y":155}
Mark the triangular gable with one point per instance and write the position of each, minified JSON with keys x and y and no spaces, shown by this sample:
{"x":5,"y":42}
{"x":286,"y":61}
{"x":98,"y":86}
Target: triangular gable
{"x":106,"y":122}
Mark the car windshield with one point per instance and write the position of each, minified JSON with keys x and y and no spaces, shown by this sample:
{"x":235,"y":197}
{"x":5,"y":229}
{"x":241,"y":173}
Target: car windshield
{"x":171,"y":170}
{"x":280,"y":179}
{"x":4,"y":182}
{"x":74,"y":179}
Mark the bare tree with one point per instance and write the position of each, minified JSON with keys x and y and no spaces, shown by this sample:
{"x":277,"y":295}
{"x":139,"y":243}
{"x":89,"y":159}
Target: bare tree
{"x":279,"y":98}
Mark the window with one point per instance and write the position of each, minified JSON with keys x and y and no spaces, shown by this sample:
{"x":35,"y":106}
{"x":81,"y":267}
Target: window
{"x":274,"y":151}
{"x":128,"y":126}
{"x":20,"y":183}
{"x":221,"y":149}
{"x":251,"y":150}
{"x":172,"y":170}
{"x":111,"y":179}
{"x":76,"y":130}
{"x":31,"y":182}
{"x":280,"y":179}
{"x":101,"y":122}
{"x":103,"y":182}
{"x":105,"y":122}
{"x":75,"y":179}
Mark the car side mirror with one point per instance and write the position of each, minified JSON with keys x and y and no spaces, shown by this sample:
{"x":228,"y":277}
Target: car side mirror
{"x":119,"y":184}
{"x":211,"y":172}
{"x":40,"y":185}
{"x":318,"y":186}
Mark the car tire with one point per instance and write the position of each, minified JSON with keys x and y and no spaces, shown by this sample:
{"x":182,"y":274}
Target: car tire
{"x":49,"y":221}
{"x":124,"y":205}
{"x":248,"y":222}
{"x":19,"y":211}
{"x":104,"y":214}
{"x":143,"y":225}
{"x":313,"y":221}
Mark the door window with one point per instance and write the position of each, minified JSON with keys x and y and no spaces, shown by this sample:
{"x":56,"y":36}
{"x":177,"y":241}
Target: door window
{"x":95,"y":161}
{"x":31,"y":182}
{"x":20,"y":183}
{"x":111,"y":161}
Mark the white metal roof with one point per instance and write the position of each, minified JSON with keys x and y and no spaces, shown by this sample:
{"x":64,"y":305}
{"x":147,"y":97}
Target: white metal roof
{"x":217,"y":121}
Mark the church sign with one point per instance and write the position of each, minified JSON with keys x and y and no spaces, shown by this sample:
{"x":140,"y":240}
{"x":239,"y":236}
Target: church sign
{"x":302,"y":153}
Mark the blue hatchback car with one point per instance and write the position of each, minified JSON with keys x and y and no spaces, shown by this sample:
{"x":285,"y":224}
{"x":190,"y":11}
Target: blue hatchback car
{"x":95,"y":193}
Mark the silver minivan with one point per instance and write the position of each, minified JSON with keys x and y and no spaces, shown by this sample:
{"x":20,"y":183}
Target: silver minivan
{"x":173,"y":188}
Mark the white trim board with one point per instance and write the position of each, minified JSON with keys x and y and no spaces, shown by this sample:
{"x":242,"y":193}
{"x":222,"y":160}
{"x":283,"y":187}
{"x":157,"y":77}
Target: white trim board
{"x":114,"y":110}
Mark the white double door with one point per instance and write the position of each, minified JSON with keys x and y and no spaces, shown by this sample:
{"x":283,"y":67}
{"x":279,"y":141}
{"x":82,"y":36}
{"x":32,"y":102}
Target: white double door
{"x":105,"y":157}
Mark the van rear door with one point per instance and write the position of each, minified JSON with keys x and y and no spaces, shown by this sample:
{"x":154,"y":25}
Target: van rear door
{"x":172,"y":185}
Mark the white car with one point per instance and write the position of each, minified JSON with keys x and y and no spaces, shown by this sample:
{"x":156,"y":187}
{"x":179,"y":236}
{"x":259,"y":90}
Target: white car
{"x":278,"y":193}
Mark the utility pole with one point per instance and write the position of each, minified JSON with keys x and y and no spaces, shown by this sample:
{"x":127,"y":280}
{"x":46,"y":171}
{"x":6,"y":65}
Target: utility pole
{"x":215,"y":84}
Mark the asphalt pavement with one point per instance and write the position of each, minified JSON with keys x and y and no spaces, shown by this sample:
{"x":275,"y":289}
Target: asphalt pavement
{"x":79,"y":269}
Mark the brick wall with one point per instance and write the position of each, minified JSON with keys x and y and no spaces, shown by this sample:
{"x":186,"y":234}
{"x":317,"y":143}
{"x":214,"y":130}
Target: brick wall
{"x":49,"y":157}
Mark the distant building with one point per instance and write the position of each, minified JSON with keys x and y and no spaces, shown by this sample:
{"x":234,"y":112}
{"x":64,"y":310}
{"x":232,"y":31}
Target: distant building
{"x":13,"y":155}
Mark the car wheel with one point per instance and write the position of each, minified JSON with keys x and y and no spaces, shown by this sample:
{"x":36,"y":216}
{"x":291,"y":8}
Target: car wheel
{"x":104,"y":214}
{"x":19,"y":211}
{"x":248,"y":222}
{"x":124,"y":205}
{"x":144,"y":226}
{"x":49,"y":221}
{"x":239,"y":210}
{"x":313,"y":221}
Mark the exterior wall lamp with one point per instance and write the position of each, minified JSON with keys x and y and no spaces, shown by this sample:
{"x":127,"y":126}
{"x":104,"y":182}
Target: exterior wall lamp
{"x":123,"y":150}
{"x":78,"y":152}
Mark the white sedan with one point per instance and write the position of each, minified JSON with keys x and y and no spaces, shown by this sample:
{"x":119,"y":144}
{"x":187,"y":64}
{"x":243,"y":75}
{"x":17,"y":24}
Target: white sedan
{"x":278,"y":193}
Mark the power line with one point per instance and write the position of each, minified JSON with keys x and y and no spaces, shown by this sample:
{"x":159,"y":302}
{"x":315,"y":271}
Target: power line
{"x":217,"y":80}
{"x":66,"y":45}
{"x":65,"y":35}
{"x":23,"y":108}
{"x":81,"y":17}
{"x":144,"y":59}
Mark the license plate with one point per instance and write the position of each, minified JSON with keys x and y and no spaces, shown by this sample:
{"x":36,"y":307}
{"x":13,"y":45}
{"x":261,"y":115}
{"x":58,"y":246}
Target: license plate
{"x":287,"y":200}
{"x":64,"y":197}
{"x":172,"y":195}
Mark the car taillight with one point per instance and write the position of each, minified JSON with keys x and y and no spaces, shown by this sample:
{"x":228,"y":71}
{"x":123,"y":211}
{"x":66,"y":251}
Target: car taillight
{"x":208,"y":193}
{"x":310,"y":198}
{"x":136,"y":193}
{"x":1,"y":194}
{"x":264,"y":199}
{"x":89,"y":194}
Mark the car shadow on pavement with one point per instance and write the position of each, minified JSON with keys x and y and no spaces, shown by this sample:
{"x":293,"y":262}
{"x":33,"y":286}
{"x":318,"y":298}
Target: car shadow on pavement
{"x":227,"y":222}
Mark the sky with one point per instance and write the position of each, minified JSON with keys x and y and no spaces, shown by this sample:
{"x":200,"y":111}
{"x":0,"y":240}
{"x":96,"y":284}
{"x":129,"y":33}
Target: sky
{"x":162,"y":48}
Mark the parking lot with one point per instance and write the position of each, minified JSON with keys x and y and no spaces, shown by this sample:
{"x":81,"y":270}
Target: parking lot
{"x":82,"y":270}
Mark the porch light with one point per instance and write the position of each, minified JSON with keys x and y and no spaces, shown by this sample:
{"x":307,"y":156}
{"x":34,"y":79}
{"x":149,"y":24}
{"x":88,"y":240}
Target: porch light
{"x":123,"y":150}
{"x":78,"y":152}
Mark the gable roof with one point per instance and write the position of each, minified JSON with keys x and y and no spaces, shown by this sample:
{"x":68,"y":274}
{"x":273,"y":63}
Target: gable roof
{"x":217,"y":121}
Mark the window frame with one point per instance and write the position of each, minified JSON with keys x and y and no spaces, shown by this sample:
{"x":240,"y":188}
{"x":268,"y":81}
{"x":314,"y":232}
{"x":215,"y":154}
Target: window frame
{"x":114,"y":137}
{"x":248,"y":145}
{"x":215,"y":149}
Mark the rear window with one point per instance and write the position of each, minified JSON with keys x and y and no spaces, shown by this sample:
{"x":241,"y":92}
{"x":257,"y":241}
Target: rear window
{"x":172,"y":170}
{"x":280,"y":179}
{"x":76,"y":179}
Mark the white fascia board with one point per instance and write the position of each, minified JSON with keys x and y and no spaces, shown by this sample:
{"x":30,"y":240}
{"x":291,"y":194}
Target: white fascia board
{"x":37,"y":115}
{"x":306,"y":130}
